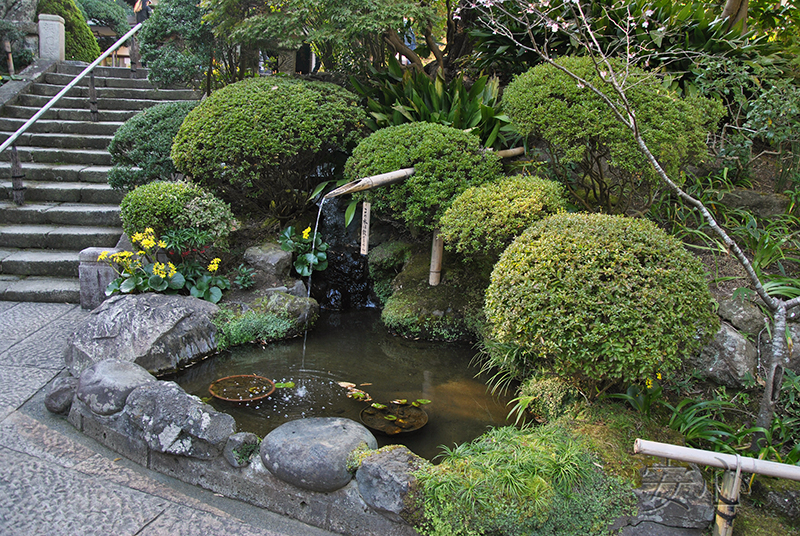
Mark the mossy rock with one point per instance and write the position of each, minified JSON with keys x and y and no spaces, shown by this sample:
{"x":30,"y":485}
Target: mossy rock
{"x":386,"y":261}
{"x":450,"y":311}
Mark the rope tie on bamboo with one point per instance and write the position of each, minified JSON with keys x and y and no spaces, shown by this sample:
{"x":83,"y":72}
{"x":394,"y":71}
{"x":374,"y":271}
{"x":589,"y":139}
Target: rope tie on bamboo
{"x":724,"y":500}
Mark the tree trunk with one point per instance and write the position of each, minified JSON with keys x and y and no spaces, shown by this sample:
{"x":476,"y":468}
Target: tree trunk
{"x":735,"y":11}
{"x":391,"y":37}
{"x":774,"y":376}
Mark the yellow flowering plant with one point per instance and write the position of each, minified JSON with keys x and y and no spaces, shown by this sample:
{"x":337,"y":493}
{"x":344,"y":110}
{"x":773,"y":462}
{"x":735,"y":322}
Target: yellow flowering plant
{"x":309,"y":250}
{"x":140,"y":272}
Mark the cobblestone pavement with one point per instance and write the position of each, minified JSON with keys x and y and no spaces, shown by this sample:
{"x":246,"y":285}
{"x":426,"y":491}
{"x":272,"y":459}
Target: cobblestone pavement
{"x":55,"y":481}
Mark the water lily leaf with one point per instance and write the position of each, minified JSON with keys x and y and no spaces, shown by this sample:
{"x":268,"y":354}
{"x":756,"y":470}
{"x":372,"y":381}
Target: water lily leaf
{"x":390,"y":417}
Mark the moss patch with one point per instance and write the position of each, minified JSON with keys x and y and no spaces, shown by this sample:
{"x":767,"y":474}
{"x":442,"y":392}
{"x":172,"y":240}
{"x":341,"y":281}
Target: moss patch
{"x":451,"y":311}
{"x":385,"y":262}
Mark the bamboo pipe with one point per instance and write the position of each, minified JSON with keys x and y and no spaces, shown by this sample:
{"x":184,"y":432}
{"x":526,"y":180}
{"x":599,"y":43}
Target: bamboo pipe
{"x":368,"y":183}
{"x":727,"y":462}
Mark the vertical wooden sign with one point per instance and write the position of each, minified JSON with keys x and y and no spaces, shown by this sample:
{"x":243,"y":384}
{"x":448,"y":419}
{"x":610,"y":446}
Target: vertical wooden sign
{"x":365,"y":213}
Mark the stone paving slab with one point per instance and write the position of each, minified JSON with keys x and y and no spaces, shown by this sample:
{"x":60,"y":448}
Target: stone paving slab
{"x":44,"y":348}
{"x":25,"y":319}
{"x":19,"y":384}
{"x":24,"y":434}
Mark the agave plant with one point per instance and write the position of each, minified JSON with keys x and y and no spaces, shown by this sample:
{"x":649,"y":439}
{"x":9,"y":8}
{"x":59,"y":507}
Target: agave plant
{"x":407,"y":96}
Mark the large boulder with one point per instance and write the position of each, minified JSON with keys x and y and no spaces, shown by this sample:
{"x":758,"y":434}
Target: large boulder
{"x":729,"y":359}
{"x":105,"y":386}
{"x":158,"y":332}
{"x":742,"y":314}
{"x":313,"y":453}
{"x":174,"y":422}
{"x":386,"y":477}
{"x":764,"y":205}
{"x":271,"y":263}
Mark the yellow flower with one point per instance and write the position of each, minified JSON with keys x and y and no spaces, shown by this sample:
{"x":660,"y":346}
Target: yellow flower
{"x":160,"y":270}
{"x":214,"y":265}
{"x":648,"y":383}
{"x":140,"y":252}
{"x":172,"y":269}
{"x":137,"y":237}
{"x":162,"y":244}
{"x":103,"y":256}
{"x":148,"y":242}
{"x":658,"y":375}
{"x":306,"y":233}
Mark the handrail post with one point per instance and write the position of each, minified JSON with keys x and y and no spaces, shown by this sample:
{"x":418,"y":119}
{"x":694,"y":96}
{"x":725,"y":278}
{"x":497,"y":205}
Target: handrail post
{"x":92,"y":97}
{"x":17,"y":188}
{"x":135,"y":56}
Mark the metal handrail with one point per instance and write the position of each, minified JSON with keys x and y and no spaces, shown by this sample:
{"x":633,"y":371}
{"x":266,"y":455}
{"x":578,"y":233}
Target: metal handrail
{"x":69,"y":86}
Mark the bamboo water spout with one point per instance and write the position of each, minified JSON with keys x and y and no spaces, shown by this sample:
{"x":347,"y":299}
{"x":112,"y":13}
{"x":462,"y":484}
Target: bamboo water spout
{"x":367,"y":183}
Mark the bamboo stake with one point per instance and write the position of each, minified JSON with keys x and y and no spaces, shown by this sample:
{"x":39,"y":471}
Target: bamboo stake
{"x":365,"y":217}
{"x":437,"y":253}
{"x":374,"y":181}
{"x":728,"y":499}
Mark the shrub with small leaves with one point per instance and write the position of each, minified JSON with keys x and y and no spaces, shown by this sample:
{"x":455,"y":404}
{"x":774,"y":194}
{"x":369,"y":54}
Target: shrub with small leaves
{"x":165,"y":206}
{"x":446,"y":161}
{"x":80,"y":43}
{"x":600,"y":298}
{"x":487,"y":218}
{"x":141,"y":146}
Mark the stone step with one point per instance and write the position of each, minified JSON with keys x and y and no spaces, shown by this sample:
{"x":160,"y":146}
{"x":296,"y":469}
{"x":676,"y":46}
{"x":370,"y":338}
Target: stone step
{"x":65,"y":192}
{"x":58,"y":237}
{"x":45,"y":155}
{"x":66,"y":114}
{"x":94,"y":215}
{"x":80,"y":103}
{"x":40,"y":289}
{"x":75,"y":173}
{"x":47,"y":262}
{"x":90,"y":128}
{"x":124,"y":92}
{"x":62,"y":79}
{"x":60,"y":140}
{"x":74,"y":68}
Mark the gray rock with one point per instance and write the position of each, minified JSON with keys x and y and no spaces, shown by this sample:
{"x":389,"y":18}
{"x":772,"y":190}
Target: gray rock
{"x":302,"y":311}
{"x":272,"y":263}
{"x":728,"y":359}
{"x":765,"y":205}
{"x":385,"y":479}
{"x":61,"y":394}
{"x":672,"y":501}
{"x":174,"y":422}
{"x":743,"y":314}
{"x":105,"y":386}
{"x":785,"y":503}
{"x":235,"y":443}
{"x":161,"y":333}
{"x":312,"y":453}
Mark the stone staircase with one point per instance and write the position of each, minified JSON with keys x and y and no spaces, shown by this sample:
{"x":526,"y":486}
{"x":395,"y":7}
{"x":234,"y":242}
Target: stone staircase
{"x":68,"y":203}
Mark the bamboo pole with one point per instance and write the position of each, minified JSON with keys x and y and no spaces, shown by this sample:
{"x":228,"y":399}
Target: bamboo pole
{"x":437,"y":254}
{"x":368,"y":183}
{"x":508,"y":153}
{"x":728,"y":500}
{"x":716,"y":459}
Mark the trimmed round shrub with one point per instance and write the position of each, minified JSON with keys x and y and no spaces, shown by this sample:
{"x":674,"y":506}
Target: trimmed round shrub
{"x":167,"y":206}
{"x":486,"y":219}
{"x":141,"y":146}
{"x":590,"y":150}
{"x":599,"y":297}
{"x":446,"y":161}
{"x":264,"y":143}
{"x":80,"y":43}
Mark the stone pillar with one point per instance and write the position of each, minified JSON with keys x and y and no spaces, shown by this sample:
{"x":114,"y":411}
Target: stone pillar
{"x":286,"y":61}
{"x":51,"y":37}
{"x":94,"y":276}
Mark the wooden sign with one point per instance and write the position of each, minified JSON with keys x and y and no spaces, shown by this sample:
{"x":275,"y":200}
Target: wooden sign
{"x":365,"y":213}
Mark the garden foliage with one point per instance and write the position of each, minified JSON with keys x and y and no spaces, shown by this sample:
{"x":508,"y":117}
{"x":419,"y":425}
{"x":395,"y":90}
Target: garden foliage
{"x":446,"y":160}
{"x":140,"y":149}
{"x":598,"y":298}
{"x":590,"y":150}
{"x":486,"y":219}
{"x":535,"y":481}
{"x":106,"y":13}
{"x":264,"y":143}
{"x":165,"y":206}
{"x":80,"y":42}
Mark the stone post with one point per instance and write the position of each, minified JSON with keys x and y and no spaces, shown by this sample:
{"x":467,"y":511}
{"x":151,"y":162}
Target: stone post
{"x":51,"y":37}
{"x":94,"y":276}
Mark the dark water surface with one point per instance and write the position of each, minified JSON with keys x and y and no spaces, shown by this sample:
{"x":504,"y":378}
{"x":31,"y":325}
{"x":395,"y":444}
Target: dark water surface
{"x":355,"y":347}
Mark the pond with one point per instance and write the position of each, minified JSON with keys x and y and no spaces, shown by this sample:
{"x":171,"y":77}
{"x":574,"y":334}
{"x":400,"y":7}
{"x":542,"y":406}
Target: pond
{"x":355,"y":347}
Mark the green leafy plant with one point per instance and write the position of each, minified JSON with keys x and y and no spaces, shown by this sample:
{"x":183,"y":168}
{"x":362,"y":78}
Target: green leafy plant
{"x":262,"y":144}
{"x":698,"y":421}
{"x":237,"y":327}
{"x":243,"y":277}
{"x":140,"y":272}
{"x":599,"y":298}
{"x":446,"y":161}
{"x":203,"y":281}
{"x":641,"y":399}
{"x":80,"y":43}
{"x":310,"y":251}
{"x":400,"y":96}
{"x":246,"y":451}
{"x":486,"y":219}
{"x":140,"y":149}
{"x":594,"y":155}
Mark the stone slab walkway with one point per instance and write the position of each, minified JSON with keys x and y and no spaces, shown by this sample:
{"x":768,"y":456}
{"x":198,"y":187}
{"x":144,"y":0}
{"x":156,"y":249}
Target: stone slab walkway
{"x":55,"y":481}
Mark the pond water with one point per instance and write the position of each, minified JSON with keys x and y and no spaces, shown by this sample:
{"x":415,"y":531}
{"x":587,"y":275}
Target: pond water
{"x":355,"y":347}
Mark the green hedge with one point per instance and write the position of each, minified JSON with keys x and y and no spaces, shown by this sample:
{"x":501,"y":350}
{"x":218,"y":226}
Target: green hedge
{"x":447,"y":161}
{"x":598,"y":298}
{"x":80,"y":42}
{"x":264,"y":143}
{"x":178,"y":205}
{"x":487,"y":218}
{"x":140,"y":149}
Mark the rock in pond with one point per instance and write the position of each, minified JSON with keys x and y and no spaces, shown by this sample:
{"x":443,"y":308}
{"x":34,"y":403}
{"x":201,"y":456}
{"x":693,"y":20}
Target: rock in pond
{"x":105,"y":386}
{"x":312,"y":453}
{"x":159,"y":332}
{"x":385,"y":479}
